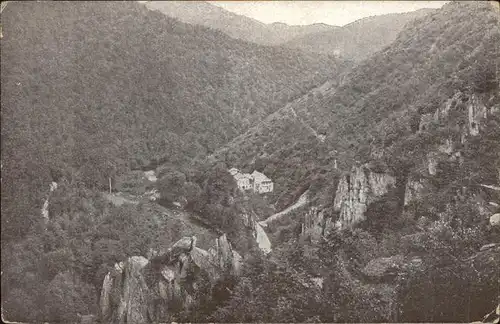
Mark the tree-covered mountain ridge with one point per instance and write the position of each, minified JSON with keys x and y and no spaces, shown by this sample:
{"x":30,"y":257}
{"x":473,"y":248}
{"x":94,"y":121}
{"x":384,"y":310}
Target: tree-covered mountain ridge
{"x":125,"y":87}
{"x":92,"y":90}
{"x":237,"y":26}
{"x":354,"y":41}
{"x":360,"y":39}
{"x":379,"y":103}
{"x":399,"y":158}
{"x":404,"y":184}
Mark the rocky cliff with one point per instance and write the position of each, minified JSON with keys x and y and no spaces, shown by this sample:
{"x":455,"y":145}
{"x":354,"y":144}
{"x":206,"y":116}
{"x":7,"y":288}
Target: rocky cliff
{"x":466,"y":115}
{"x":45,"y":208}
{"x":318,"y":223}
{"x":141,"y":290}
{"x":453,"y":127}
{"x":357,"y":190}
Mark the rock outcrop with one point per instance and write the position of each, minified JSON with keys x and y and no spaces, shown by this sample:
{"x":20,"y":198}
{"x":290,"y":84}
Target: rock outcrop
{"x":317,"y":223}
{"x":495,"y":220}
{"x":466,"y":113}
{"x":413,"y":190}
{"x":45,"y":207}
{"x":313,"y":224}
{"x":432,"y":162}
{"x":470,"y":106}
{"x":477,"y":112}
{"x":357,"y":190}
{"x":139,"y":290}
{"x":150,"y":175}
{"x":125,"y":293}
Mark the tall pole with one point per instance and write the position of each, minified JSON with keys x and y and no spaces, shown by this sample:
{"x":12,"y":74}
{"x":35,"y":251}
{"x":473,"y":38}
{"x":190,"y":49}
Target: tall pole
{"x":109,"y":184}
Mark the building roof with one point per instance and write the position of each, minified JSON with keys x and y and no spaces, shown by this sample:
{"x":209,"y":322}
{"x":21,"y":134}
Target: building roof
{"x":259,"y":176}
{"x":239,"y":176}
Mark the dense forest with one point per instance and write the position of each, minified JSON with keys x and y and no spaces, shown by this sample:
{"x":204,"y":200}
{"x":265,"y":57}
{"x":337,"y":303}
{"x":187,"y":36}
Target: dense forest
{"x":373,"y":116}
{"x":377,"y":104}
{"x":96,"y":93}
{"x":93,"y":89}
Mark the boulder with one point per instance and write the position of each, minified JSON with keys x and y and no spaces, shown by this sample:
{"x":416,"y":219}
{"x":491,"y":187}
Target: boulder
{"x":184,"y":244}
{"x":150,"y":175}
{"x":495,"y":220}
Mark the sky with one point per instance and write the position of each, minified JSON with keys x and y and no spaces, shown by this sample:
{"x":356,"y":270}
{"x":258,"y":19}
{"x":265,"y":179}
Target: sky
{"x":337,"y":13}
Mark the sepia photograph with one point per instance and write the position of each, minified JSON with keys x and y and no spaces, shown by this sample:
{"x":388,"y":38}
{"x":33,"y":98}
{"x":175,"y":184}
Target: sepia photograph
{"x":250,"y":162}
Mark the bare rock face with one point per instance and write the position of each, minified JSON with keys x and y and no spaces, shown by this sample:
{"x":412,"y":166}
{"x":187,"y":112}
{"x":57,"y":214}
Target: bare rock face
{"x":313,"y":224}
{"x":446,"y":146}
{"x":224,"y":257}
{"x":124,"y":293}
{"x":317,"y":223}
{"x":467,"y":107}
{"x":357,"y":190}
{"x":477,"y":112}
{"x":432,"y":162}
{"x":413,"y":190}
{"x":45,"y":208}
{"x":139,"y":290}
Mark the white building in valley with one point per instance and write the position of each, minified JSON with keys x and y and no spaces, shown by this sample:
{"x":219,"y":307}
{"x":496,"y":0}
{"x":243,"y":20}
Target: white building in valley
{"x":244,"y":181}
{"x":261,"y":183}
{"x":257,"y":181}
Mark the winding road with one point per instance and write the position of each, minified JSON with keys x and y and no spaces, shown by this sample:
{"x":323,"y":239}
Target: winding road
{"x":300,"y":202}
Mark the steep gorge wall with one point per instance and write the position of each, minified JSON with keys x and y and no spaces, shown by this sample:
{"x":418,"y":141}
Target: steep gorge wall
{"x":465,"y":116}
{"x":357,"y":190}
{"x":141,"y":290}
{"x":464,"y":113}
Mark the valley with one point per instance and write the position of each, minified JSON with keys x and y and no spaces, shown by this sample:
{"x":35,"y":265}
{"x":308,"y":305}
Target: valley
{"x":178,"y":162}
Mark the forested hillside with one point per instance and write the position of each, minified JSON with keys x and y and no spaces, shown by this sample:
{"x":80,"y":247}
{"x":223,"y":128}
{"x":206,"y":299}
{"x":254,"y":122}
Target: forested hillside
{"x":397,"y":159}
{"x":379,"y":101}
{"x":360,"y":39}
{"x":402,"y":227}
{"x":237,"y":26}
{"x":92,"y":89}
